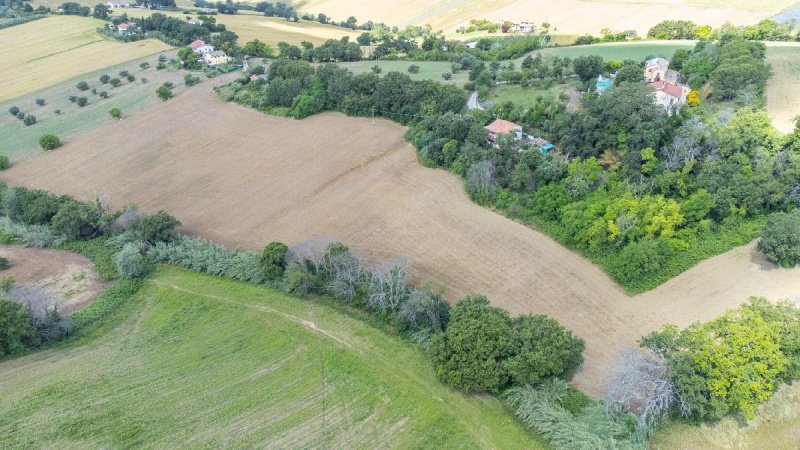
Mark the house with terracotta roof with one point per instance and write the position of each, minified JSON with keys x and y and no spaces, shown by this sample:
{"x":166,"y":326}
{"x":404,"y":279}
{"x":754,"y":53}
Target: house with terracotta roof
{"x":669,"y":95}
{"x":124,"y":28}
{"x":502,"y":127}
{"x":199,"y":46}
{"x":215,"y":58}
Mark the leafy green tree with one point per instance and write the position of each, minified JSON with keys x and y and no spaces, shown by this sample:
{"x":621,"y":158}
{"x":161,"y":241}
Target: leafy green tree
{"x":160,"y":227}
{"x":258,"y":49}
{"x":730,"y":364}
{"x":130,"y":262}
{"x":780,"y":238}
{"x":104,"y":78}
{"x":83,"y":86}
{"x":82,"y":101}
{"x":114,"y":82}
{"x":116,"y":113}
{"x":101,"y":11}
{"x":469,"y":355}
{"x":5,"y":163}
{"x":14,"y":110}
{"x":29,"y":120}
{"x":16,"y":328}
{"x":49,"y":141}
{"x":543,"y":349}
{"x":630,"y":73}
{"x":40,"y":101}
{"x":273,"y":260}
{"x":77,"y":220}
{"x":164,"y":92}
{"x":587,"y":67}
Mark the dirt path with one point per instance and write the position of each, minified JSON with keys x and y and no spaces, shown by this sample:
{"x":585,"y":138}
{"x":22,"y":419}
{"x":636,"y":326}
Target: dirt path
{"x":234,"y":175}
{"x":70,"y":276}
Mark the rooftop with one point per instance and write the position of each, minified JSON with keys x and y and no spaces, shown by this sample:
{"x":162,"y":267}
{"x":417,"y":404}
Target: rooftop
{"x":501,"y":126}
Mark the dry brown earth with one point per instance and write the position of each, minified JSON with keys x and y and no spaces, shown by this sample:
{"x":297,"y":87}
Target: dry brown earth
{"x":71,"y":277}
{"x":236,"y":176}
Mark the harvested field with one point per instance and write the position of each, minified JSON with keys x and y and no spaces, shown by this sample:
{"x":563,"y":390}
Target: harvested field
{"x":69,"y":276}
{"x":783,"y":89}
{"x":269,"y":178}
{"x":269,"y":30}
{"x":47,"y":51}
{"x":569,"y":16}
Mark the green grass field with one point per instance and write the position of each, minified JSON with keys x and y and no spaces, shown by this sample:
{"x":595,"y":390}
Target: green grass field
{"x":428,"y":70}
{"x":20,"y":141}
{"x":517,"y":94}
{"x":636,"y":51}
{"x":198,"y":361}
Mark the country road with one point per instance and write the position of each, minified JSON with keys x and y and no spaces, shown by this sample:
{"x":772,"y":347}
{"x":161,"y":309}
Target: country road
{"x":473,"y":103}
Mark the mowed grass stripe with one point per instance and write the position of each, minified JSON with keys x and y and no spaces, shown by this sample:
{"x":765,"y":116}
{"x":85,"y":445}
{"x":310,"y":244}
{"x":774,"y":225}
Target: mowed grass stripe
{"x":200,"y":361}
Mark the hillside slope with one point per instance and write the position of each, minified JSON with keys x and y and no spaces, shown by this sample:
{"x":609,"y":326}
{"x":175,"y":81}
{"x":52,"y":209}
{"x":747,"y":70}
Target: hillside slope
{"x":236,"y":176}
{"x":198,"y":361}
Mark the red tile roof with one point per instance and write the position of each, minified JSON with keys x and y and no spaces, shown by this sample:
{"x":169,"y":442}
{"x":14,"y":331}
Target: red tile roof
{"x":122,"y":26}
{"x":501,"y":126}
{"x":196,"y":44}
{"x":668,"y":88}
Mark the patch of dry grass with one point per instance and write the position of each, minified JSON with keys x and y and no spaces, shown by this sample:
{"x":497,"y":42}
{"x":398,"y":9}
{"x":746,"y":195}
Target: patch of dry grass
{"x":270,"y":30}
{"x":776,"y":427}
{"x":783,"y":89}
{"x":45,"y":52}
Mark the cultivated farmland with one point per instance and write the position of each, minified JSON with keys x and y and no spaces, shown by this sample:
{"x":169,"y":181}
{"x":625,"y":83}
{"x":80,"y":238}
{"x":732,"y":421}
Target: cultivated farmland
{"x":47,"y":51}
{"x":197,"y":361}
{"x":71,"y":120}
{"x":242,"y":178}
{"x":569,"y":16}
{"x":783,"y":89}
{"x":269,"y":30}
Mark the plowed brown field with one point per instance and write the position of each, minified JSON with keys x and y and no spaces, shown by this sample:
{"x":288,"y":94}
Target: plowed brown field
{"x":237,"y":176}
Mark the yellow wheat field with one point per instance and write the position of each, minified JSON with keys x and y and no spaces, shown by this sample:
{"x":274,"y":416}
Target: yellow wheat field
{"x":45,"y":52}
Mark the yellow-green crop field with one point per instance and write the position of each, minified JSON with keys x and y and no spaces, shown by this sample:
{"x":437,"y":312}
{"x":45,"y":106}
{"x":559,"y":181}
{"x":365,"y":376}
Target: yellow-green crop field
{"x":270,"y":30}
{"x":44,"y":52}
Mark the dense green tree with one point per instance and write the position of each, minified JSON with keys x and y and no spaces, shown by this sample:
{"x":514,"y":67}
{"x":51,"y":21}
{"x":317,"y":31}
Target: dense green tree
{"x":470,"y":353}
{"x":16,"y":329}
{"x":273,"y":260}
{"x":158,"y":227}
{"x":730,"y":364}
{"x":101,"y":11}
{"x":780,"y":238}
{"x":543,"y":349}
{"x":587,"y":67}
{"x":49,"y":142}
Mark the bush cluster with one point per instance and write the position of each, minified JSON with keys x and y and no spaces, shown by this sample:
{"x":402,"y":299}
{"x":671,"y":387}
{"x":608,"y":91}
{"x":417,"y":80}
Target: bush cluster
{"x":733,"y":363}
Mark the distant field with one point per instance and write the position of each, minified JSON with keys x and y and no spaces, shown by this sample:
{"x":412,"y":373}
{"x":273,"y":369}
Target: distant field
{"x":568,"y":16}
{"x":783,"y":89}
{"x":197,"y":361}
{"x":636,"y":51}
{"x":47,"y":51}
{"x":776,"y":427}
{"x":21,"y":141}
{"x":270,"y":30}
{"x":428,"y":70}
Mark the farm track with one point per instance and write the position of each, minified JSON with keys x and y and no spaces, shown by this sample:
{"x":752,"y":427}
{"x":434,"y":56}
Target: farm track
{"x":236,"y":176}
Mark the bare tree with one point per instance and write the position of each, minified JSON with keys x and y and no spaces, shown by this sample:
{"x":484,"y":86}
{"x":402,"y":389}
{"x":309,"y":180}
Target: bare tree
{"x":345,"y":273}
{"x":625,"y":223}
{"x":644,"y":388}
{"x":310,"y":253}
{"x":387,"y":289}
{"x":686,"y":146}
